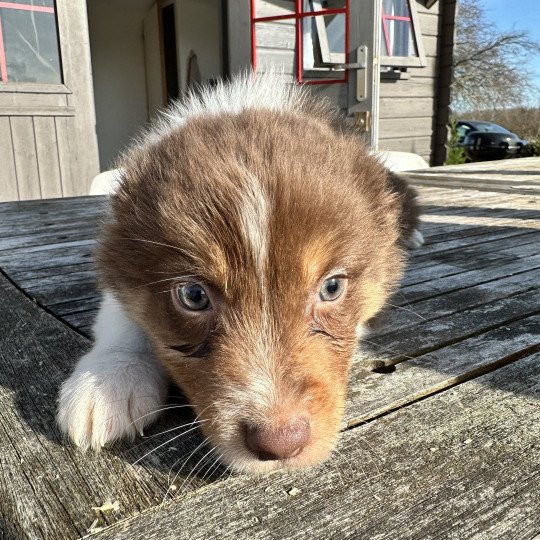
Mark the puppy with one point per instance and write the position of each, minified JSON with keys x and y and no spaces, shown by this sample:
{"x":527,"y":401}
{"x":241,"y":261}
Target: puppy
{"x":251,"y":238}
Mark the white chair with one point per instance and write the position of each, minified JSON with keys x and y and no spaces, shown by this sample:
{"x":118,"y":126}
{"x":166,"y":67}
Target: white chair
{"x":401,"y":161}
{"x":105,"y":183}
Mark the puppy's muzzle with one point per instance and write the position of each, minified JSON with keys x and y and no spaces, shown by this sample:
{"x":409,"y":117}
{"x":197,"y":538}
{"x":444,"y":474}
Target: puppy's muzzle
{"x":278,"y":443}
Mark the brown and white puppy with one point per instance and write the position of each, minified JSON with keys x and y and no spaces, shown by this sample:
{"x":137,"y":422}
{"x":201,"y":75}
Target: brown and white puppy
{"x":251,"y":238}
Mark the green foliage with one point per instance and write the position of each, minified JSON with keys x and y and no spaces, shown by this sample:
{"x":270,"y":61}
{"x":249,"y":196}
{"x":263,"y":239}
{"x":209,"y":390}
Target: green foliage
{"x":532,"y":149}
{"x":456,"y":155}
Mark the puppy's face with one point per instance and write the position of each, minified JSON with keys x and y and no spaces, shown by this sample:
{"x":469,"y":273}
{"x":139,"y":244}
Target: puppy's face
{"x":252,"y":247}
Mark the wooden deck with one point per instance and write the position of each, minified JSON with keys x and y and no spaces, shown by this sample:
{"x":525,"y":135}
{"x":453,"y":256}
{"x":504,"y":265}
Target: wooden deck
{"x":442,"y":428}
{"x":509,"y":175}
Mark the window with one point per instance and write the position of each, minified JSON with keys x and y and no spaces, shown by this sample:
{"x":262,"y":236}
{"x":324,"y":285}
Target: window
{"x":401,"y":39}
{"x":29,"y":51}
{"x":312,"y":34}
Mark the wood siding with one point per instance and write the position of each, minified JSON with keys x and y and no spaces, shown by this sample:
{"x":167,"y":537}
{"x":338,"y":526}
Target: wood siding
{"x":48,"y":144}
{"x":414,"y":111}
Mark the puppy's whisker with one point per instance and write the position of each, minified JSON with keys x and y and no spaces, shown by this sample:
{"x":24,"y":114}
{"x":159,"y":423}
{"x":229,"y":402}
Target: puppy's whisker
{"x":160,"y":281}
{"x":407,"y":309}
{"x":154,"y":450}
{"x":176,"y":248}
{"x":110,"y":417}
{"x":183,"y":465}
{"x":192,"y":472}
{"x":163,"y":444}
{"x":215,"y":465}
{"x":153,"y":436}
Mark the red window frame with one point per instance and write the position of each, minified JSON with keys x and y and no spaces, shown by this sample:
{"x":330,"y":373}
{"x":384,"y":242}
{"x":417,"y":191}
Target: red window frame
{"x":386,"y":18}
{"x":22,"y":7}
{"x":299,"y":14}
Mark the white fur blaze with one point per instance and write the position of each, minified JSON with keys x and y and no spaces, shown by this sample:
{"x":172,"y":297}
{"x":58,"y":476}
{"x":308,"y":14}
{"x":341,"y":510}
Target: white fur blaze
{"x":244,"y":92}
{"x":254,"y":218}
{"x":115,"y":389}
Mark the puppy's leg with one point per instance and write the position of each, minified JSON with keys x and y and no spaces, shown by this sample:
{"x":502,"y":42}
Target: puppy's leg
{"x":411,"y":237}
{"x":116,"y":388}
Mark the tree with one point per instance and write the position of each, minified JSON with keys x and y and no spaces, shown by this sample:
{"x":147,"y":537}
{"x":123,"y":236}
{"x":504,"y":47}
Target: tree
{"x":489,"y":63}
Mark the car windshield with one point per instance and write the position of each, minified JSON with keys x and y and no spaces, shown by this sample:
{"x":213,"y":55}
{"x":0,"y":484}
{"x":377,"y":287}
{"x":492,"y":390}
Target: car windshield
{"x":488,"y":126}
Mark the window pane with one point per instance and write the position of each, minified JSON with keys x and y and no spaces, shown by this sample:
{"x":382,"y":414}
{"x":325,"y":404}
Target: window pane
{"x":274,"y":8}
{"x":323,"y":44}
{"x":40,"y":3}
{"x":397,"y":8}
{"x":398,"y":39}
{"x":31,"y":46}
{"x":317,"y":5}
{"x":276,"y":46}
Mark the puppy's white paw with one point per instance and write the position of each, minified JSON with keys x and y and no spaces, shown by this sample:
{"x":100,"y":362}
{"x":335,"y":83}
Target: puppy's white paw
{"x":110,"y":395}
{"x":416,"y":240}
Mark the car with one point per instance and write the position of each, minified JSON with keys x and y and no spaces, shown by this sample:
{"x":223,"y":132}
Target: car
{"x":483,"y":140}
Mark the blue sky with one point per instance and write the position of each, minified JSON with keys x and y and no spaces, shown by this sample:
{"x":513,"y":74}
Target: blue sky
{"x":519,"y":14}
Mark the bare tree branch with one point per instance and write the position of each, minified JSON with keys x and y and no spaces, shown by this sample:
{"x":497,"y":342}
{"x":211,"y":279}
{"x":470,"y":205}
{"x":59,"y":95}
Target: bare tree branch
{"x":489,"y":63}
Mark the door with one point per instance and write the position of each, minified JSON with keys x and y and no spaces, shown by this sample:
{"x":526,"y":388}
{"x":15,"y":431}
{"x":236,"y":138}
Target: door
{"x":48,"y":145}
{"x":333,"y":46}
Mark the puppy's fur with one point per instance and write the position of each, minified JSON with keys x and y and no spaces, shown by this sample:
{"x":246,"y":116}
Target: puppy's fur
{"x":259,"y":194}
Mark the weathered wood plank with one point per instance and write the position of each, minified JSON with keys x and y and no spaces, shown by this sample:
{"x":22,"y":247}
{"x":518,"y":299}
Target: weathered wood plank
{"x":421,"y":472}
{"x":48,"y":489}
{"x":9,"y":190}
{"x":31,"y":274}
{"x":70,"y":160}
{"x":61,"y":289}
{"x":450,"y":274}
{"x":55,"y":234}
{"x":82,"y":321}
{"x":408,"y":315}
{"x":411,"y":107}
{"x":484,"y":241}
{"x":12,"y":100}
{"x":406,"y":127}
{"x":49,"y":256}
{"x":402,"y":345}
{"x":24,"y":147}
{"x":372,"y":394}
{"x":417,"y":145}
{"x":47,"y":157}
{"x":53,"y":206}
{"x":456,"y":263}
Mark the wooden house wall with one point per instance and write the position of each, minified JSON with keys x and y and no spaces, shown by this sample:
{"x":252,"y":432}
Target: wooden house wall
{"x":35,"y":147}
{"x":48,"y":144}
{"x":414,"y":111}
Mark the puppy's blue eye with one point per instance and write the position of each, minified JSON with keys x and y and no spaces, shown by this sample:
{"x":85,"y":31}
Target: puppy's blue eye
{"x":332,"y":289}
{"x":192,"y":296}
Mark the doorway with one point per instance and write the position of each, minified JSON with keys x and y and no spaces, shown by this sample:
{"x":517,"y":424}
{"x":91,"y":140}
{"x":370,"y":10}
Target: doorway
{"x":144,"y":54}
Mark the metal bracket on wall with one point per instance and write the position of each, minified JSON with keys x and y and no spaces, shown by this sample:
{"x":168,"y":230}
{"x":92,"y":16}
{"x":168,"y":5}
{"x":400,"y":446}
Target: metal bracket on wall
{"x":362,"y":120}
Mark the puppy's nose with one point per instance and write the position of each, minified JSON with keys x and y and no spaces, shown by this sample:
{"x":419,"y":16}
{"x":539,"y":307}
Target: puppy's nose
{"x":282,"y":442}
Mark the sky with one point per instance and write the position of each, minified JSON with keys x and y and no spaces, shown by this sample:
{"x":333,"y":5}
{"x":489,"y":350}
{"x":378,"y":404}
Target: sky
{"x":521,"y":15}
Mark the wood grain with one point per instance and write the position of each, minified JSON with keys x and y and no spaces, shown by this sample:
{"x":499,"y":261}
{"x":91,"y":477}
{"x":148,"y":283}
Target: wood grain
{"x":461,"y":464}
{"x":439,"y":441}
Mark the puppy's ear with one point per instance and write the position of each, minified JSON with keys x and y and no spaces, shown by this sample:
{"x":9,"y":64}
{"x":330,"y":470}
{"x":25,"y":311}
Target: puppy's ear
{"x":409,"y":217}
